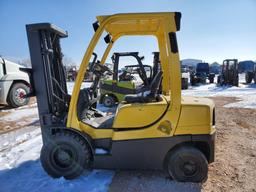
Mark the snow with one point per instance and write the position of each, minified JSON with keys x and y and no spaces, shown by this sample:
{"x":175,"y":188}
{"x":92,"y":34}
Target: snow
{"x":20,"y":168}
{"x":100,"y":151}
{"x":246,"y":94}
{"x":19,"y":114}
{"x":70,"y":86}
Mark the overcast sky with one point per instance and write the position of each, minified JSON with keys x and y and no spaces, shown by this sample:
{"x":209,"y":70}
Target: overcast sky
{"x":210,"y":30}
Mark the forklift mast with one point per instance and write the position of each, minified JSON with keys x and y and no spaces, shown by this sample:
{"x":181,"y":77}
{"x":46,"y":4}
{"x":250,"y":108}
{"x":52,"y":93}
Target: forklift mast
{"x":48,"y":73}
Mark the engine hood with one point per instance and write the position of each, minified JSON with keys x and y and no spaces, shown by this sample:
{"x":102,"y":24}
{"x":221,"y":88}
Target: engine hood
{"x":196,"y":116}
{"x":189,"y":100}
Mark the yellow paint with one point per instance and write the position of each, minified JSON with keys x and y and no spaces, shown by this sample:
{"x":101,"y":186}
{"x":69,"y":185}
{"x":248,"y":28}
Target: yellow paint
{"x":138,"y":114}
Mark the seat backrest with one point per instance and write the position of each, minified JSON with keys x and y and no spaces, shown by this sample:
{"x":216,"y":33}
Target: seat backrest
{"x":155,"y":84}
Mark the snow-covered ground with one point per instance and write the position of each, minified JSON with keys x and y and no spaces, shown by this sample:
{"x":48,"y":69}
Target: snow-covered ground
{"x":246,"y":94}
{"x":20,"y":168}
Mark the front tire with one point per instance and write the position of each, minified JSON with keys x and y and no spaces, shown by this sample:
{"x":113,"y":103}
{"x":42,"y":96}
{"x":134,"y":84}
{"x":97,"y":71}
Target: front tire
{"x":184,"y":83}
{"x":187,"y":164}
{"x":192,"y":81}
{"x":65,"y":154}
{"x":16,"y":95}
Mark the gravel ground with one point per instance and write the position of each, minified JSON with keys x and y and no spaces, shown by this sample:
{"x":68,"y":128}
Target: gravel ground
{"x":235,"y":160}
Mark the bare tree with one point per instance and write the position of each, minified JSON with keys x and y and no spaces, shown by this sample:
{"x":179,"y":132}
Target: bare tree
{"x":25,"y":62}
{"x":68,"y":62}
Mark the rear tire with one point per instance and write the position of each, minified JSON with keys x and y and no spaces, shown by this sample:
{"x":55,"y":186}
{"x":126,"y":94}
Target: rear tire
{"x":187,"y":164}
{"x":236,"y":81}
{"x":211,"y":79}
{"x":248,"y":77}
{"x":65,"y":154}
{"x":16,"y":95}
{"x":108,"y":101}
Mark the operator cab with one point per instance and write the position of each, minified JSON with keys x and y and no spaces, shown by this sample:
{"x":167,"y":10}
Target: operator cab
{"x":230,"y":64}
{"x":202,"y":68}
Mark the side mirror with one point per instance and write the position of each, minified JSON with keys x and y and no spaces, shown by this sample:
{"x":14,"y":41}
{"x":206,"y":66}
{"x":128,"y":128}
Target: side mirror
{"x":95,"y":26}
{"x":107,"y":38}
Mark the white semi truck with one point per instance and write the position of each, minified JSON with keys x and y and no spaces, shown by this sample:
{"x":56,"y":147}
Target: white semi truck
{"x":14,"y":84}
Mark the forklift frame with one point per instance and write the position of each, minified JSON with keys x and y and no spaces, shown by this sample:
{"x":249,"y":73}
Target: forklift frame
{"x":143,"y":135}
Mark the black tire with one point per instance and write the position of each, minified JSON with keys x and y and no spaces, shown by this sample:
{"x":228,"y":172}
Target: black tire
{"x":192,"y":81}
{"x":108,"y":101}
{"x":218,"y":80}
{"x":255,"y":77}
{"x":221,"y":80}
{"x":16,"y":95}
{"x":236,"y":81}
{"x":184,"y":83}
{"x":66,"y":154}
{"x":211,"y":79}
{"x":248,"y":77}
{"x":187,"y":164}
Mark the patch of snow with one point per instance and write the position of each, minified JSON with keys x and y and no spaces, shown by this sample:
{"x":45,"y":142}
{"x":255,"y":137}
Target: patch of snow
{"x":19,"y":162}
{"x":100,"y":151}
{"x":20,"y":113}
{"x":70,"y":86}
{"x":245,"y":93}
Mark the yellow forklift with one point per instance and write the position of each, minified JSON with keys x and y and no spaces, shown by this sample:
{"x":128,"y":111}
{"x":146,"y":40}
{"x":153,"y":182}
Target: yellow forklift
{"x":153,"y":130}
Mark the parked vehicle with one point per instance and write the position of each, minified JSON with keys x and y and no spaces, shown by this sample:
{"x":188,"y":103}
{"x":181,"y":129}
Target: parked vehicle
{"x":215,"y":68}
{"x":133,"y":79}
{"x":229,"y":73}
{"x":251,"y":75}
{"x":201,"y":74}
{"x":14,"y":84}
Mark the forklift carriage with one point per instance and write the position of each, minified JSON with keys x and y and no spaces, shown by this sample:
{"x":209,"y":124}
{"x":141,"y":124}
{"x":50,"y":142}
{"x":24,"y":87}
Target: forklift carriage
{"x":157,"y":130}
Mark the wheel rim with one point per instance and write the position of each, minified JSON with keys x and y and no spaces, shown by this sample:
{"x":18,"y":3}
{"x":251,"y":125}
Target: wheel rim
{"x":189,"y":168}
{"x":19,"y":95}
{"x":108,"y":101}
{"x":63,"y":157}
{"x":186,"y":165}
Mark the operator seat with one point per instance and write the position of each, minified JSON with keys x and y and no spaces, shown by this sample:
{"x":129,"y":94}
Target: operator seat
{"x":151,"y":96}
